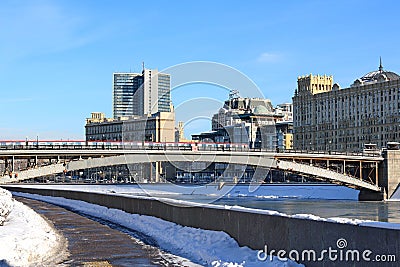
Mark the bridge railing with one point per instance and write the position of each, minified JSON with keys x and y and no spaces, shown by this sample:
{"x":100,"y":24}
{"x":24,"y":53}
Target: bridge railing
{"x":173,"y":146}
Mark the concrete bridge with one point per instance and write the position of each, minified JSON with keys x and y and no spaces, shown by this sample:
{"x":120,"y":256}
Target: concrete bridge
{"x":375,"y":176}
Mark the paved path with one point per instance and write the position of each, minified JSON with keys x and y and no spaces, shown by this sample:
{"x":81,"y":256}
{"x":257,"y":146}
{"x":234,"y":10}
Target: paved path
{"x":93,"y":244}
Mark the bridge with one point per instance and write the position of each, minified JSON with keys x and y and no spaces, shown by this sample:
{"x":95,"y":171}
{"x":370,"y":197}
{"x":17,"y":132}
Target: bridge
{"x":367,"y":173}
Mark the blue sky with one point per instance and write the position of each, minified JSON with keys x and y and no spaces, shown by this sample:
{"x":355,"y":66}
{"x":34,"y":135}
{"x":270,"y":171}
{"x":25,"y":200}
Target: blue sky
{"x":57,"y":57}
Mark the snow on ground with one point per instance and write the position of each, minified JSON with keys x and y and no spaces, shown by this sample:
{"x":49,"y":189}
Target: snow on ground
{"x":6,"y":205}
{"x":210,"y":248}
{"x":26,"y":239}
{"x":200,"y":246}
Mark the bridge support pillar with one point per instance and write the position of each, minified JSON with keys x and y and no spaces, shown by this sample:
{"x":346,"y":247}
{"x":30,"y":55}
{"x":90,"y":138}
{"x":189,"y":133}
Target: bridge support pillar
{"x":344,"y":167}
{"x":369,"y":195}
{"x":6,"y":163}
{"x":389,"y":172}
{"x":5,"y":166}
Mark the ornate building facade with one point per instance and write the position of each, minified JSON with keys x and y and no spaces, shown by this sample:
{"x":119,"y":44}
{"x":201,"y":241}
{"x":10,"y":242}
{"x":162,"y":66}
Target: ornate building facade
{"x":327,"y":117}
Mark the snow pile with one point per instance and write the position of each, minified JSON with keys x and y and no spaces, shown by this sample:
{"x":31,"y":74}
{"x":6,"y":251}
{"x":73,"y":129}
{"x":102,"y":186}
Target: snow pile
{"x":209,"y":248}
{"x":369,"y":223}
{"x":6,"y":205}
{"x":26,"y":239}
{"x":358,"y":222}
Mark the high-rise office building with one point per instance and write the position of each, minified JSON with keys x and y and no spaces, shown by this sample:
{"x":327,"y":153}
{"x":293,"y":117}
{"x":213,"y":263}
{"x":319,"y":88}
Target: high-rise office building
{"x":155,"y":94}
{"x":140,"y":94}
{"x":125,"y":85}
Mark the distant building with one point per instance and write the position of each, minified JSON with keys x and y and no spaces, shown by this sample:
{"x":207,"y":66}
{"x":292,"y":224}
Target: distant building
{"x":125,"y":86}
{"x":284,"y":135}
{"x":284,"y":127}
{"x":180,"y":133}
{"x":246,"y":120}
{"x":137,"y":94}
{"x":286,"y":110}
{"x":251,"y":121}
{"x":155,"y":94}
{"x":142,"y":112}
{"x":327,"y":117}
{"x":159,"y":127}
{"x":100,"y":128}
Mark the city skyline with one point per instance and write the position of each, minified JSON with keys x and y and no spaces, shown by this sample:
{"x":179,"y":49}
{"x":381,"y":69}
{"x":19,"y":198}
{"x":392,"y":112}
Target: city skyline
{"x":58,"y":56}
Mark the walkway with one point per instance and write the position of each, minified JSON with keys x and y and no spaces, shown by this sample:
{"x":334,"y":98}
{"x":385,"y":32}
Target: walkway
{"x":93,"y":244}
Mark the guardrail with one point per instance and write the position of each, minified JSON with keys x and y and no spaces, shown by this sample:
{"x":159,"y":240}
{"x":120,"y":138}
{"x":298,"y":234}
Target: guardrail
{"x":162,"y":146}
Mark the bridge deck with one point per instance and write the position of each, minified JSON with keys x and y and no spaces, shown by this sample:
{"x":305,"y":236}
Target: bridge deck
{"x":21,"y":153}
{"x":78,"y":159}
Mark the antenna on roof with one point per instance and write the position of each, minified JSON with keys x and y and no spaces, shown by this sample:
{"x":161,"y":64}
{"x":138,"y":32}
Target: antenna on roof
{"x":233,"y":94}
{"x":380,"y":64}
{"x":143,"y":65}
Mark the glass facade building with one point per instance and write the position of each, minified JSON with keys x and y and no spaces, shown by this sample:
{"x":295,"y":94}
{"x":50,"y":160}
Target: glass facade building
{"x":125,"y":86}
{"x":164,"y":92}
{"x":137,"y":94}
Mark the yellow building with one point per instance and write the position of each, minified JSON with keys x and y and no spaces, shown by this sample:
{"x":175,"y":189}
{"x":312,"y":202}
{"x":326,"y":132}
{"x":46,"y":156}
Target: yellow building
{"x":97,"y":117}
{"x":288,"y":141}
{"x":314,"y":84}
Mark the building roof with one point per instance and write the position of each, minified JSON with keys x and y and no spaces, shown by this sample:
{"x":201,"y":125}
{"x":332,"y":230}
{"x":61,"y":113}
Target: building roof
{"x":376,"y":75}
{"x":379,"y":75}
{"x":261,"y":110}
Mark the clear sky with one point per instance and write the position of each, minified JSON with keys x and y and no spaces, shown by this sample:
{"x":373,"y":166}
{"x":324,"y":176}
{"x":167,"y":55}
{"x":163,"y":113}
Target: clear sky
{"x":57,"y":57}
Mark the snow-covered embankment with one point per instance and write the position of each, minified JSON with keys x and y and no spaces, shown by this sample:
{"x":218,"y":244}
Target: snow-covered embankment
{"x":26,"y":239}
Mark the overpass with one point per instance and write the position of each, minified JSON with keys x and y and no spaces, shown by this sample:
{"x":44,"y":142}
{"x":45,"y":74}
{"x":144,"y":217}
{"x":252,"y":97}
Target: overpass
{"x":363,"y":172}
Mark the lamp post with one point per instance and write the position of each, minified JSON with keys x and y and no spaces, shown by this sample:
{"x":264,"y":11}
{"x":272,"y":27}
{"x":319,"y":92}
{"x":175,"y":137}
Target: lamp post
{"x":330,"y":148}
{"x":165,"y":173}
